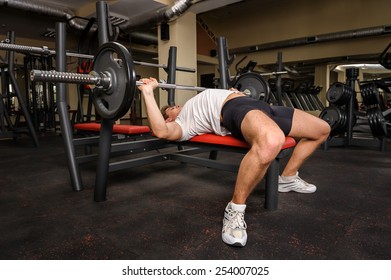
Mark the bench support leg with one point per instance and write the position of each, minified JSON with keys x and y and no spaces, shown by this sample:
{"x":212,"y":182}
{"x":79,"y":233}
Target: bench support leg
{"x":271,"y":183}
{"x":102,"y":168}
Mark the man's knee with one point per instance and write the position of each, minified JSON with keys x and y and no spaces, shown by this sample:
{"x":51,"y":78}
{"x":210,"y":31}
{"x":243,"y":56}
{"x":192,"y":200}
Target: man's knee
{"x":324,"y":131}
{"x":269,"y":145}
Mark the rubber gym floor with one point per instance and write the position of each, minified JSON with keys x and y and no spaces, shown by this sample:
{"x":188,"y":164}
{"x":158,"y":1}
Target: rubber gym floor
{"x":170,"y":210}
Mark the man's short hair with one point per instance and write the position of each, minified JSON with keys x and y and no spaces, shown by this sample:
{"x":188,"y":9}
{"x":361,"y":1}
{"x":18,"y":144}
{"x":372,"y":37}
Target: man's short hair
{"x":163,"y":111}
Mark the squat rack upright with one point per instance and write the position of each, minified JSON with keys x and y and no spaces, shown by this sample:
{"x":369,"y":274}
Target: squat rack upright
{"x":8,"y":76}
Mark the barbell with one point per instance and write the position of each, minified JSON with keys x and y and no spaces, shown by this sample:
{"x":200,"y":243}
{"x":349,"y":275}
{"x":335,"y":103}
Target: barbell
{"x":44,"y":50}
{"x":103,"y":80}
{"x":113,"y":80}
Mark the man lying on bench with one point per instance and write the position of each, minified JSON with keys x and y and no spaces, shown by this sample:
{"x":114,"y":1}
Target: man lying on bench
{"x":264,"y":127}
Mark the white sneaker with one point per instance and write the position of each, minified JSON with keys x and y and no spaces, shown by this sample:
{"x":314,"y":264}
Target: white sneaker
{"x":295,"y":184}
{"x":234,"y":227}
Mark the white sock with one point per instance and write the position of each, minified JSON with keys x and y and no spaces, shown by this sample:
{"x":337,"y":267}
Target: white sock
{"x":238,"y":207}
{"x":290,"y":178}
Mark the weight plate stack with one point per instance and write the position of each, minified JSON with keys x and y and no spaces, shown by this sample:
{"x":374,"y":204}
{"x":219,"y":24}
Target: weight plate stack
{"x":339,"y":93}
{"x":370,"y":94}
{"x":336,"y":118}
{"x":377,"y":122}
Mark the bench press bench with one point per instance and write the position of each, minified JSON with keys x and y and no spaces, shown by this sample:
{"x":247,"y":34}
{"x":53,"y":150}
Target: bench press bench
{"x":202,"y":143}
{"x":117,"y":128}
{"x":232,"y":144}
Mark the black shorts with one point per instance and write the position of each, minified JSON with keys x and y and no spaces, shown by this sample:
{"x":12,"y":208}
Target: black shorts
{"x":234,"y":111}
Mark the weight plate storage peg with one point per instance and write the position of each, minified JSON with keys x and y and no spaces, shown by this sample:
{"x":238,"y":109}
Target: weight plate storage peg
{"x":254,"y":85}
{"x":115,"y":62}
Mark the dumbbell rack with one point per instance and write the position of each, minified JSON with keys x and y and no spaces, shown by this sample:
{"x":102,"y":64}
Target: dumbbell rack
{"x":347,"y":138}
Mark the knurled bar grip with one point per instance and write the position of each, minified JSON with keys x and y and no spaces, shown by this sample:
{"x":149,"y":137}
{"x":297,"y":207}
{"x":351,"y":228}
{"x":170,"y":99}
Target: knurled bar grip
{"x":71,"y":78}
{"x":25,"y":49}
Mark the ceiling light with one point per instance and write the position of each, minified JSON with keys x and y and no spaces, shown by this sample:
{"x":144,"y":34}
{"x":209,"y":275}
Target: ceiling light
{"x":363,"y":66}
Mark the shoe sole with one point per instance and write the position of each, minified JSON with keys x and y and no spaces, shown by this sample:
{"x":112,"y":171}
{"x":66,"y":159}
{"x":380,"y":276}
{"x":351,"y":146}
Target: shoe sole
{"x":234,"y":244}
{"x":293,"y":190}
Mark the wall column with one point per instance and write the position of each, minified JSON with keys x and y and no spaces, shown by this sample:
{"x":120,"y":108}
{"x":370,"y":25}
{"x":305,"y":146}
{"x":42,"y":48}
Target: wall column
{"x":183,"y":36}
{"x":322,"y":78}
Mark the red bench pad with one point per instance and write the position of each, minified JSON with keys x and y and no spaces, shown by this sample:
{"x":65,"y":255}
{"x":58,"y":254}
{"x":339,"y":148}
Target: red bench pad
{"x":117,"y":128}
{"x":232,"y":141}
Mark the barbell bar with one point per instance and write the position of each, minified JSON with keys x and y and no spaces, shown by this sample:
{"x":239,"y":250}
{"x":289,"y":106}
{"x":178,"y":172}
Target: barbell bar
{"x":102,"y":80}
{"x":113,"y":79}
{"x":44,"y":50}
{"x":273,"y":73}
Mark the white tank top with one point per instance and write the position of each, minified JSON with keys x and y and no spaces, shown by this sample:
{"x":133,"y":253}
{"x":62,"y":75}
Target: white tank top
{"x":201,"y":114}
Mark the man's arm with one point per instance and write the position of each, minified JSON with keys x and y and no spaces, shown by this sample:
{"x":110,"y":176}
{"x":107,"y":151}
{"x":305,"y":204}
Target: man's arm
{"x":161,"y":129}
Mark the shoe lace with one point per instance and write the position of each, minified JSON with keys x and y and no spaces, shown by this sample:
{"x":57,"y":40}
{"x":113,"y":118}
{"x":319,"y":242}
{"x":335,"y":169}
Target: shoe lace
{"x":236,"y":220}
{"x":301,"y":181}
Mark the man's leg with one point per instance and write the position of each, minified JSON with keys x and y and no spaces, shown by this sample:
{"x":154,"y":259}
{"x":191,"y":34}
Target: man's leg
{"x":266,"y":140}
{"x":312,"y":132}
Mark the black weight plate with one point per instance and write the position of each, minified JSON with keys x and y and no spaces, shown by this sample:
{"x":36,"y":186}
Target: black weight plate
{"x":370,"y":94}
{"x":114,"y":60}
{"x":335,"y":117}
{"x":364,"y":90}
{"x":377,"y":122}
{"x":381,"y":123}
{"x":370,"y":121}
{"x":335,"y":93}
{"x":254,"y":85}
{"x":344,"y":121}
{"x":375,"y":95}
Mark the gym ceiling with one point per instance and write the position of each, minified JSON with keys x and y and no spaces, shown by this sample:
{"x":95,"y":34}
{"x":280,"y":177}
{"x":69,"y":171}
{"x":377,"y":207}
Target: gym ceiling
{"x":35,"y":20}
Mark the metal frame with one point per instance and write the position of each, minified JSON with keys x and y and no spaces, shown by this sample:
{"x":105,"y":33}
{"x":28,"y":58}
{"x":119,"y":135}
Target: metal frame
{"x":8,"y":76}
{"x":271,"y":177}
